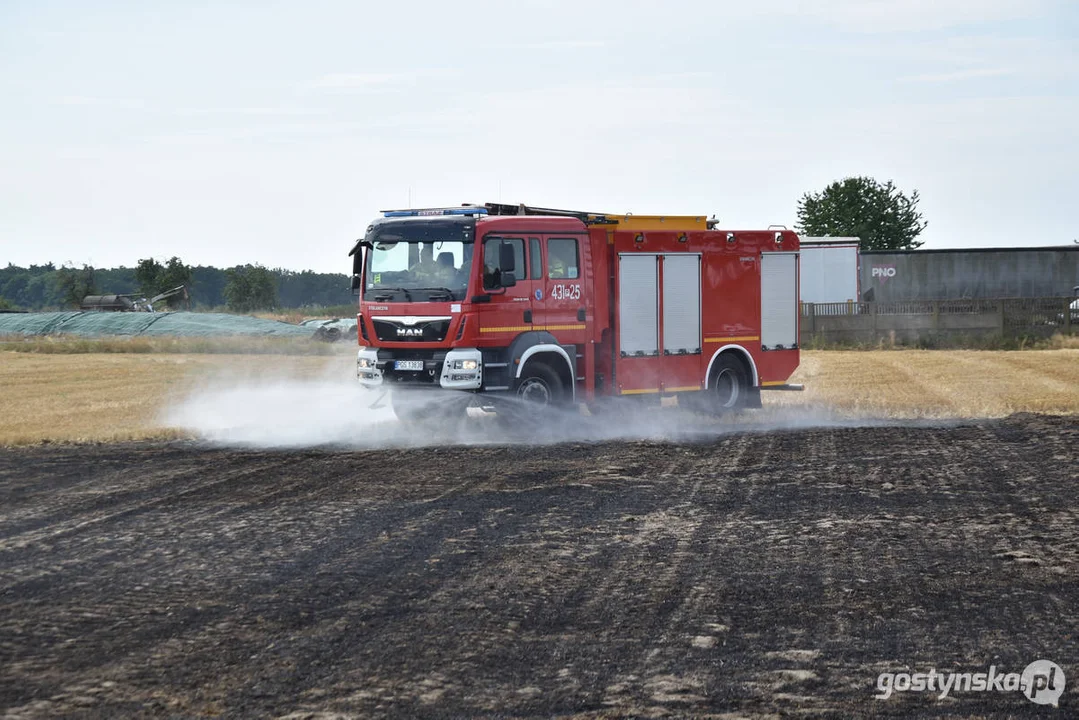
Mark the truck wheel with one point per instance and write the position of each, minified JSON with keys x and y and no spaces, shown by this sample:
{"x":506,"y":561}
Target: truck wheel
{"x":540,"y":386}
{"x":728,"y":389}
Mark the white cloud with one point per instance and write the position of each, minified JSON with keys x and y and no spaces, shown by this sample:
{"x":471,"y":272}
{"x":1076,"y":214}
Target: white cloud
{"x":884,"y":16}
{"x":558,"y":45}
{"x":377,"y":81}
{"x":957,"y":75}
{"x":255,"y":111}
{"x":338,"y":81}
{"x":101,"y":102}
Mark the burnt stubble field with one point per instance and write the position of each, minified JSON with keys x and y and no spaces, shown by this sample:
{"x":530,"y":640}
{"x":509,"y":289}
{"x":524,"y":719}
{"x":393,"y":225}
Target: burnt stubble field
{"x":749,"y":574}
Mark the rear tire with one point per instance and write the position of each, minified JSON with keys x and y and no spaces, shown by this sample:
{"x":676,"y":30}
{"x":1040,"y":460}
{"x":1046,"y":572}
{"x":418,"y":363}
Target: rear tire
{"x":728,"y":386}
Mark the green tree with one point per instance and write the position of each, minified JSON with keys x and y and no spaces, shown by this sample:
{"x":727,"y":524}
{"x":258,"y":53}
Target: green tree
{"x":72,"y":284}
{"x":154,"y":278}
{"x":250,"y":287}
{"x":147,"y":275}
{"x":880,"y":214}
{"x":208,"y":285}
{"x":43,"y":291}
{"x":14,"y":288}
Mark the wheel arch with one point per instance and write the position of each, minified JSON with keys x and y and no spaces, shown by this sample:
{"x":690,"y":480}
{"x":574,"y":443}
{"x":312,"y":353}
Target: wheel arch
{"x":555,"y":357}
{"x":742,"y":354}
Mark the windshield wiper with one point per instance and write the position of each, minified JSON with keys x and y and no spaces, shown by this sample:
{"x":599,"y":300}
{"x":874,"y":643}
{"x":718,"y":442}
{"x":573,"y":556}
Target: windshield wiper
{"x":382,"y":298}
{"x":444,"y":290}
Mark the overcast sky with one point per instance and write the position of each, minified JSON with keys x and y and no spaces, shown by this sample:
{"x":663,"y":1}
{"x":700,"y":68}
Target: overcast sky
{"x":234,"y":132}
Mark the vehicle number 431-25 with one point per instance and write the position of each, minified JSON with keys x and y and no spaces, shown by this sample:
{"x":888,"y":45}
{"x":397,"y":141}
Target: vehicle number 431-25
{"x":566,"y":292}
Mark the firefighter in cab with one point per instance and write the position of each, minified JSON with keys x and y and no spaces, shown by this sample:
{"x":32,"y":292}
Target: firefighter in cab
{"x":427,"y":269}
{"x":557,"y":267}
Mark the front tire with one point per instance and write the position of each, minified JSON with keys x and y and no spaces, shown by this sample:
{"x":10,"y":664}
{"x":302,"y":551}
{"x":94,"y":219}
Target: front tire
{"x":540,"y":387}
{"x":728,"y":387}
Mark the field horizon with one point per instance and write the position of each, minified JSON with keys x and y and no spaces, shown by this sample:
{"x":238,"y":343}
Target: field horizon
{"x":94,"y":397}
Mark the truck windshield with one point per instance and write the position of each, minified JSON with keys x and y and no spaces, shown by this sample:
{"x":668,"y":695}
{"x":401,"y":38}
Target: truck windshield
{"x":418,"y":261}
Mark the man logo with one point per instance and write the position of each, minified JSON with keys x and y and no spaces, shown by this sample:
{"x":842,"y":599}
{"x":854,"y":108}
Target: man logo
{"x":409,"y":332}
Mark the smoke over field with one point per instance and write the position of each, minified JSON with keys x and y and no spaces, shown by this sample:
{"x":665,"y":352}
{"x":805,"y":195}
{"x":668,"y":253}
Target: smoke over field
{"x":294,"y":413}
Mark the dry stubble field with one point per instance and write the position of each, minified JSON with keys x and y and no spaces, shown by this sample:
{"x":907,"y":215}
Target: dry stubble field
{"x":108,"y":397}
{"x":754,"y":572}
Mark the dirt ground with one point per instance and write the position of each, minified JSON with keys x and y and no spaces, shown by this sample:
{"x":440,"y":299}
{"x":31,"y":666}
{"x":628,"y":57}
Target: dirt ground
{"x":748,"y":574}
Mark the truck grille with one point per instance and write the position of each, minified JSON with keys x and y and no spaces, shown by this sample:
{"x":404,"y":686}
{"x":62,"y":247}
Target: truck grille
{"x":419,"y":331}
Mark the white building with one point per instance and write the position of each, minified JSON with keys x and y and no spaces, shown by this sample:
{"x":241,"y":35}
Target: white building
{"x":828,"y":269}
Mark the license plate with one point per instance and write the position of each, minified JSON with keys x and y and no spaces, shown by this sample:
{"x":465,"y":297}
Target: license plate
{"x":408,"y":364}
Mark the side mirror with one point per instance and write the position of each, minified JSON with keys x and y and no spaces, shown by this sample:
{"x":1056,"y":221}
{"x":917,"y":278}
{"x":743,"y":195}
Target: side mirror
{"x":506,"y":261}
{"x":357,"y":269}
{"x":509,"y":279}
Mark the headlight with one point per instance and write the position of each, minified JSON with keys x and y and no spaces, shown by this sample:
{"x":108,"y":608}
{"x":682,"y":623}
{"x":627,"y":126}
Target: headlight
{"x":364,"y":363}
{"x":465,"y":364}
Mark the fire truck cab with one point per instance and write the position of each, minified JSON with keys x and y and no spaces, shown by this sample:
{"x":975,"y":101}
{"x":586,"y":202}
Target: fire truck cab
{"x":556,"y":307}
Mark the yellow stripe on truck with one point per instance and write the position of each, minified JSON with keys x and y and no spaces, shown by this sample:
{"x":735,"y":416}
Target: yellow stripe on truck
{"x":747,"y":338}
{"x":522,"y":328}
{"x":649,"y":391}
{"x":508,"y":328}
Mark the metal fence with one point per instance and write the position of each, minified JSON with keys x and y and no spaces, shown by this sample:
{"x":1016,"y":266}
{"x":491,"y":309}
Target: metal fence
{"x":1041,"y":313}
{"x":835,"y":309}
{"x":928,"y":307}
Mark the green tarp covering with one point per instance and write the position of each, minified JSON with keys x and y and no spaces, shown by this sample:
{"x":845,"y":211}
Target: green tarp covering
{"x":92,"y":324}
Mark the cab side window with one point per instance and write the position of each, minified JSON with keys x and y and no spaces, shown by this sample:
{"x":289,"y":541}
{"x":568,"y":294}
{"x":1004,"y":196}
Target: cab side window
{"x":492,"y":278}
{"x":562,"y":258}
{"x":535,"y":259}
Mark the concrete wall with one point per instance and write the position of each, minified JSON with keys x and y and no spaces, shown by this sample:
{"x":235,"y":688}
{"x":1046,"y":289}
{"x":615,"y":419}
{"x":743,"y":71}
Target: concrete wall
{"x":956,"y":274}
{"x":907,"y":329}
{"x":946,"y":321}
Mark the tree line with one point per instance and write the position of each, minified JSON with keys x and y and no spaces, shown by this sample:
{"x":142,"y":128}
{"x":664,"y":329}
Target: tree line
{"x":244,"y":288}
{"x":883,"y":216}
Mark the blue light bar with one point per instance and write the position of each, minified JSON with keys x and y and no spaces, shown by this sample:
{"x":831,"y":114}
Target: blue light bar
{"x":467,"y":210}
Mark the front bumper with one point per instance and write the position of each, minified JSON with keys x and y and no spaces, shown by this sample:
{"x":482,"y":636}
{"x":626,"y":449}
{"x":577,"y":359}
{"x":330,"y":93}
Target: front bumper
{"x":456,"y":369}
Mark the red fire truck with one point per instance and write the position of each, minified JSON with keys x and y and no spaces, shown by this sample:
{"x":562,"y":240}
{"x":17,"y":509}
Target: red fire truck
{"x":557,"y":307}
